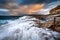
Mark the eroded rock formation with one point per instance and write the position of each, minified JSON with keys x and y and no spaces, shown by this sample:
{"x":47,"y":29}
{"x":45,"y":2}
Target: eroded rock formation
{"x":56,"y":10}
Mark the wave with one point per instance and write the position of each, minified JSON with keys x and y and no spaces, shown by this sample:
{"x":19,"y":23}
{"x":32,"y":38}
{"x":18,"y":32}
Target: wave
{"x":26,"y":28}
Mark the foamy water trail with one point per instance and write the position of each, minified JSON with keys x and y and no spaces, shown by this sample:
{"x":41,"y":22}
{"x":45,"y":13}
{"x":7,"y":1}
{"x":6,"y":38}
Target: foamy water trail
{"x":26,"y":28}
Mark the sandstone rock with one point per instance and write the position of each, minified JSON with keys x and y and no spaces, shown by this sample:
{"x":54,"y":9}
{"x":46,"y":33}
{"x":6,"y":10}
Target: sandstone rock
{"x":56,"y":10}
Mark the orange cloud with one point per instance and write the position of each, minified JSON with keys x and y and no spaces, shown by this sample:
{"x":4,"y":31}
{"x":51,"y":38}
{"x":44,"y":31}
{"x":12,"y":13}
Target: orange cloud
{"x":35,"y":8}
{"x":28,"y":9}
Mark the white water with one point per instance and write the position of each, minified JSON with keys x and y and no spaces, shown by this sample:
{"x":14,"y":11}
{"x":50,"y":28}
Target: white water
{"x":26,"y":28}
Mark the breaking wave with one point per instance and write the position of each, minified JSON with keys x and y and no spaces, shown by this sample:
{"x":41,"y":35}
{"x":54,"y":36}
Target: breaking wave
{"x":26,"y":28}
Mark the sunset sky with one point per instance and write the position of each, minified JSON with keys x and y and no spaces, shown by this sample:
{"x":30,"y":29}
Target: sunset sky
{"x":28,"y":6}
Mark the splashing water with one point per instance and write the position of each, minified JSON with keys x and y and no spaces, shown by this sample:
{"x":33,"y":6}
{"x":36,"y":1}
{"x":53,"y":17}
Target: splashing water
{"x":26,"y":28}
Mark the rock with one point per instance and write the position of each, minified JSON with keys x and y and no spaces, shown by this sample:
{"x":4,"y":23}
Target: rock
{"x":56,"y":10}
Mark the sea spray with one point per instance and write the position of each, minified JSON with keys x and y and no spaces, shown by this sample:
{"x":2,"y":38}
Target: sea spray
{"x":25,"y":28}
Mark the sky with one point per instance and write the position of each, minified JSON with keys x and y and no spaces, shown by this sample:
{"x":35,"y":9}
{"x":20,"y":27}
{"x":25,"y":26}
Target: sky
{"x":46,"y":5}
{"x":2,"y":1}
{"x":35,"y":1}
{"x":27,"y":1}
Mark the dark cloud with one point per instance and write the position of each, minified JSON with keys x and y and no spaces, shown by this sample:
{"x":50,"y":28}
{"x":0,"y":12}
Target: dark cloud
{"x":27,"y":1}
{"x":3,"y":1}
{"x":35,"y":1}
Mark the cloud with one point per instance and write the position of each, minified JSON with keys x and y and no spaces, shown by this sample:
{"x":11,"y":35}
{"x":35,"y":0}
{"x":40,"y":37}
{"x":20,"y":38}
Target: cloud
{"x":28,"y":9}
{"x":34,"y":6}
{"x":35,"y":1}
{"x":48,"y":7}
{"x":26,"y":1}
{"x":2,"y":1}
